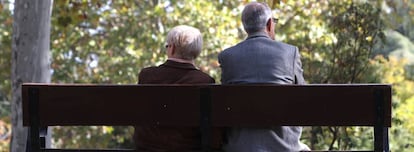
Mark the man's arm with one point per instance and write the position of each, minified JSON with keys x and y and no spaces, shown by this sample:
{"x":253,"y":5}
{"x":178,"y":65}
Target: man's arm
{"x":142,"y":76}
{"x":298,"y":71}
{"x":220,"y":60}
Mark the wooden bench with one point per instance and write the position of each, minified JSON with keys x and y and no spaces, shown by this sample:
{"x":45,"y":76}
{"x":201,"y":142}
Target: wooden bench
{"x":207,"y":106}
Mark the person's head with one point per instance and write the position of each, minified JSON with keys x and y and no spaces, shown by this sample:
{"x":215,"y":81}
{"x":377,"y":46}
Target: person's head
{"x":184,"y":42}
{"x":257,"y":17}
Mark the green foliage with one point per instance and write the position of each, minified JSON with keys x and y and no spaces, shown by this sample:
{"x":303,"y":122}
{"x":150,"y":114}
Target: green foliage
{"x":397,"y":45}
{"x":5,"y":69}
{"x":96,"y":42}
{"x":392,"y":72}
{"x":93,"y":137}
{"x":5,"y":53}
{"x":399,"y":16}
{"x":103,"y":42}
{"x":336,"y":39}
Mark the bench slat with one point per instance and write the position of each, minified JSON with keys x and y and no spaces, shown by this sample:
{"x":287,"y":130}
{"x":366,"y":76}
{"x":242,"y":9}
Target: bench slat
{"x":308,"y":105}
{"x":178,"y":105}
{"x":88,"y":150}
{"x":259,"y":105}
{"x":126,"y":150}
{"x":77,"y":105}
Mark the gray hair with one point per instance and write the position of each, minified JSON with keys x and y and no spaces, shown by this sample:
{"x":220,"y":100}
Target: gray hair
{"x":187,"y":41}
{"x":255,"y":16}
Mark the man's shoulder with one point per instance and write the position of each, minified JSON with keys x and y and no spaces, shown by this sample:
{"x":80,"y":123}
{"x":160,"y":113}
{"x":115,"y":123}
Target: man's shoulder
{"x":285,"y":45}
{"x":166,"y":74}
{"x":198,"y":74}
{"x":149,"y":69}
{"x":268,"y":42}
{"x":225,"y":51}
{"x":233,"y":48}
{"x":145,"y":72}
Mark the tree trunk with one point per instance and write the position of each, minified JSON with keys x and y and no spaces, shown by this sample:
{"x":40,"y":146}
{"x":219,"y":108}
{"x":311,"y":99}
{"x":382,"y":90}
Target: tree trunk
{"x":30,"y":58}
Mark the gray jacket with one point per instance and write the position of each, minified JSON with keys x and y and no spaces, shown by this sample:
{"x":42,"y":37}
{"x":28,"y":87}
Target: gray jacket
{"x":259,"y":59}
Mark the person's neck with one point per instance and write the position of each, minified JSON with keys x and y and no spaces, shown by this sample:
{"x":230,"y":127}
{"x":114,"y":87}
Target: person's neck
{"x":181,"y":60}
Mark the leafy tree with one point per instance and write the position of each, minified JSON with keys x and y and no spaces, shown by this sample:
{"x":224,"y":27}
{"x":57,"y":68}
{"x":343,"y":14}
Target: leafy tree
{"x":397,"y":68}
{"x":110,"y":41}
{"x":30,"y":58}
{"x":336,"y":39}
{"x":5,"y":65}
{"x":392,"y":72}
{"x":96,"y":42}
{"x":398,"y":16}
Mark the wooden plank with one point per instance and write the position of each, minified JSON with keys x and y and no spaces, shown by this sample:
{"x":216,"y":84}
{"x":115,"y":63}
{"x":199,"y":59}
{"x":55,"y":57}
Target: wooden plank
{"x":232,"y":105}
{"x":107,"y":150}
{"x":88,"y":150}
{"x":306,"y":105}
{"x":339,"y":151}
{"x":117,"y":105}
{"x":121,"y":150}
{"x":126,"y":150}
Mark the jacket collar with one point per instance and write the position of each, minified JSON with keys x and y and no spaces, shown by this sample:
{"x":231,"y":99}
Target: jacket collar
{"x":175,"y":64}
{"x":257,"y":34}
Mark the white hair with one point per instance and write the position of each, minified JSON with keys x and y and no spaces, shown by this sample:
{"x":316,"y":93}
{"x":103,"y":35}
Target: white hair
{"x":187,"y":41}
{"x":255,"y":16}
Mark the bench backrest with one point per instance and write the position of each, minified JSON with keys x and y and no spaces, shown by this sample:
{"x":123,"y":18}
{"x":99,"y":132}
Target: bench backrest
{"x":208,"y":105}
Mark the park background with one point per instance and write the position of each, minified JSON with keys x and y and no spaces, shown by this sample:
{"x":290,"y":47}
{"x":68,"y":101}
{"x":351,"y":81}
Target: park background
{"x":110,"y":41}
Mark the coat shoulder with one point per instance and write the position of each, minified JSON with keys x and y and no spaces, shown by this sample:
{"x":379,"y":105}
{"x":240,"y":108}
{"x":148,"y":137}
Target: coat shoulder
{"x":286,"y":45}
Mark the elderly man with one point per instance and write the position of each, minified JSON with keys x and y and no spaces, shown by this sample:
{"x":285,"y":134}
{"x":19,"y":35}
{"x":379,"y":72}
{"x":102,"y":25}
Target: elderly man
{"x":260,"y":59}
{"x":184,"y":44}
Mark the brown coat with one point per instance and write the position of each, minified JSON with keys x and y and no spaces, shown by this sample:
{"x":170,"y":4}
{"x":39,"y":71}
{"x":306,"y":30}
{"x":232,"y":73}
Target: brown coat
{"x":163,"y":139}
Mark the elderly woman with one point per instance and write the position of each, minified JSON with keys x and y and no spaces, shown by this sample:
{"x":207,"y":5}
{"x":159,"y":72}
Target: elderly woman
{"x":184,"y":44}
